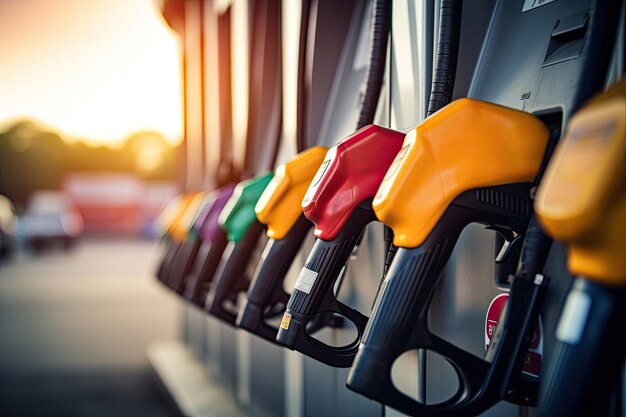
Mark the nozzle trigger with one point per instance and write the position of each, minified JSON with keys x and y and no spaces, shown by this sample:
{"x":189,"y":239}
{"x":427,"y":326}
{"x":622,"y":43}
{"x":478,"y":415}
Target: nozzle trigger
{"x":510,"y":248}
{"x":508,"y":257}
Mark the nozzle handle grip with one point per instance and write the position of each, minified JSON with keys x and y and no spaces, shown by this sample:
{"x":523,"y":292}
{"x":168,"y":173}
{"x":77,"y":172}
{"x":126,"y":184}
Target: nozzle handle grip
{"x":588,"y":357}
{"x":166,"y":257}
{"x":183,"y":265}
{"x":266,"y":296}
{"x":314,"y":293}
{"x":166,"y":264}
{"x":399,"y":324}
{"x":198,"y":289}
{"x":233,"y":277}
{"x":399,"y":321}
{"x":300,"y":338}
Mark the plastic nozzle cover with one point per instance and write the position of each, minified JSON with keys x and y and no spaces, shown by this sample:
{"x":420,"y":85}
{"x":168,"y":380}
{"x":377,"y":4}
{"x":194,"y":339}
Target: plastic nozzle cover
{"x":187,"y":216}
{"x":207,"y":224}
{"x":168,"y":215}
{"x":173,"y":212}
{"x":466,"y":145}
{"x":349,"y":175}
{"x":279,"y":205}
{"x":581,"y":200}
{"x":238,"y":214}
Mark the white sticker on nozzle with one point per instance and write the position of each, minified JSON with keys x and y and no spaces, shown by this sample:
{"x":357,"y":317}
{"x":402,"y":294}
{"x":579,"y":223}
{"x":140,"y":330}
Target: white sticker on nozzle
{"x":306,"y":280}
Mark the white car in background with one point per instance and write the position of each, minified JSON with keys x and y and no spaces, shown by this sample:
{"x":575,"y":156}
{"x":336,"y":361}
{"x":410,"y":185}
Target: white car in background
{"x":50,"y":217}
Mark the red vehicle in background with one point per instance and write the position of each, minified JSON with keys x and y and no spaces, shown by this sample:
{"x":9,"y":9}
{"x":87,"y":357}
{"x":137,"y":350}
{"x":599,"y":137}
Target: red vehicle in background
{"x":118,"y":203}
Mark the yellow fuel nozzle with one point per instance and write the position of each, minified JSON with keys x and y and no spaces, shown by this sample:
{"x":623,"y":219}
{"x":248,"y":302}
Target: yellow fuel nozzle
{"x":173,"y":212}
{"x":467,"y":144}
{"x":582,"y":198}
{"x":279,"y":206}
{"x":185,"y":218}
{"x":168,"y":215}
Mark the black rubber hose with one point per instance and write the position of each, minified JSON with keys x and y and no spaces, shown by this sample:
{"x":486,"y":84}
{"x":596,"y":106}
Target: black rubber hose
{"x":381,"y":21}
{"x":442,"y":87}
{"x":534,"y":250}
{"x":444,"y":71}
{"x":372,"y":86}
{"x":303,"y":93}
{"x":602,"y":34}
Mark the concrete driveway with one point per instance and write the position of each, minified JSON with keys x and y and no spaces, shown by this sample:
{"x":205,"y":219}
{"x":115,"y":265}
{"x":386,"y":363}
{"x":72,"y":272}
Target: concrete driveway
{"x":74,"y":328}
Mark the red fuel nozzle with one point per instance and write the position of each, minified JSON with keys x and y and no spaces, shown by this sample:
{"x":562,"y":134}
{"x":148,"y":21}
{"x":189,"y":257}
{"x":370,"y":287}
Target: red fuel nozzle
{"x":350,"y":174}
{"x":338,"y":202}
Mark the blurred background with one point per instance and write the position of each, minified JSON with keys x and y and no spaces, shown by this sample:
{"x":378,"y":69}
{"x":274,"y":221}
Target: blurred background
{"x":90,"y":142}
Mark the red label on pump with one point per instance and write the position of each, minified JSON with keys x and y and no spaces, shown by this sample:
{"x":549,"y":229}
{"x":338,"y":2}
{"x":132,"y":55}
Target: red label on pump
{"x":350,"y":174}
{"x":534,"y":356}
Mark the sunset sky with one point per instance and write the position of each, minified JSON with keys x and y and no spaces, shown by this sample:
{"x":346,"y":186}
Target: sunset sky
{"x":96,"y":70}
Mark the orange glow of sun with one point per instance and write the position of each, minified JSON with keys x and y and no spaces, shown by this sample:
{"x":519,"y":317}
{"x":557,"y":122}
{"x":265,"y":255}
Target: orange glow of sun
{"x":90,"y":69}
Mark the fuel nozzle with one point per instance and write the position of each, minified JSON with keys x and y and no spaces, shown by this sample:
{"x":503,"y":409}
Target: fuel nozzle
{"x":338,"y":202}
{"x":280,"y":210}
{"x":187,"y":234}
{"x":177,"y":235}
{"x":471,"y":162}
{"x":581,"y":202}
{"x":212,"y":244}
{"x":243,"y":232}
{"x":165,"y":221}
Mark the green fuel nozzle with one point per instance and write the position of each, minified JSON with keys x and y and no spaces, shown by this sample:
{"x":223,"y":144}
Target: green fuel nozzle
{"x":243,"y":230}
{"x":238,"y":214}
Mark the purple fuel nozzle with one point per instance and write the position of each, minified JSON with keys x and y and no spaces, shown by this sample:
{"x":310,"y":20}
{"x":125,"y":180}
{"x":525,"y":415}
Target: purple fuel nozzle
{"x":208,"y":218}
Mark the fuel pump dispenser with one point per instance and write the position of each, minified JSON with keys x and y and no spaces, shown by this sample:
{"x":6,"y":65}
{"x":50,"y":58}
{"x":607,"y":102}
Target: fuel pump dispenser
{"x":477,"y":160}
{"x":212,"y":245}
{"x":471,"y":162}
{"x":582,"y":203}
{"x":243,"y":232}
{"x":287,"y":227}
{"x":338,"y":202}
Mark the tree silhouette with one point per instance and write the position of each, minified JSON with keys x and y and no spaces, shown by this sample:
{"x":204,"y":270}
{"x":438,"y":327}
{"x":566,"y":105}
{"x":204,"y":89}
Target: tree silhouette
{"x":33,"y":158}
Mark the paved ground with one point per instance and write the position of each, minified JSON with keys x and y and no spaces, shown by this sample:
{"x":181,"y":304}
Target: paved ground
{"x":74,"y":329}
